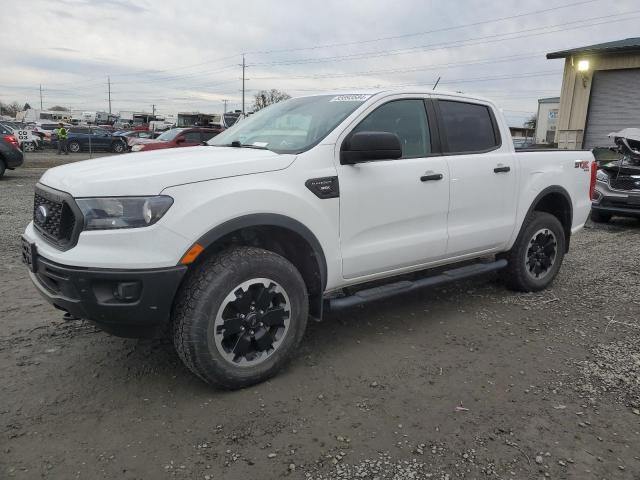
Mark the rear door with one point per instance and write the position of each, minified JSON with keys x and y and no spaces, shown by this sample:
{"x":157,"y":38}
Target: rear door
{"x":393,"y":213}
{"x":482,"y":209}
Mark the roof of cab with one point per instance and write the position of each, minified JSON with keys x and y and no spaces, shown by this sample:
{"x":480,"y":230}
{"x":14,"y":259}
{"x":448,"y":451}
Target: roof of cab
{"x":403,"y":90}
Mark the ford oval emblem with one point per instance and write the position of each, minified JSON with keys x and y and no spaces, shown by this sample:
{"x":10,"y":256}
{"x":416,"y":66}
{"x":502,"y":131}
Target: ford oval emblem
{"x":41,"y":214}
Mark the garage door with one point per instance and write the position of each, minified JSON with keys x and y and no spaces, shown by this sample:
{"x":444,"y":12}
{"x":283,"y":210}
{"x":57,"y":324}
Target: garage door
{"x":614,"y":105}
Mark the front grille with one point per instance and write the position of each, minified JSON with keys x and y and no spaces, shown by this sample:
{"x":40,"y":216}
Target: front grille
{"x":624,"y":182}
{"x":56,"y":217}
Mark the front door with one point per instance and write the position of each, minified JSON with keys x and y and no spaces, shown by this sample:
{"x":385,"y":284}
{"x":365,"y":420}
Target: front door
{"x":393,"y":213}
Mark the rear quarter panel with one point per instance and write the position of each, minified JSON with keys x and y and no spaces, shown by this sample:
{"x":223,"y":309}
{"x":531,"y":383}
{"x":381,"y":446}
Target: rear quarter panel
{"x":566,"y":169}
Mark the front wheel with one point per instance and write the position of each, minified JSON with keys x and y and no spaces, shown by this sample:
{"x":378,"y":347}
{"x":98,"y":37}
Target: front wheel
{"x":118,"y":147}
{"x":536,"y":256}
{"x":240,"y":316}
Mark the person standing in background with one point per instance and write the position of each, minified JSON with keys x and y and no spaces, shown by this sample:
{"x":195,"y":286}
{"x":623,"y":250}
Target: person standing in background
{"x":62,"y":134}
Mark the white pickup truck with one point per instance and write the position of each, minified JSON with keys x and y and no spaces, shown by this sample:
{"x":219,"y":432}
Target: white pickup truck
{"x":318,"y":202}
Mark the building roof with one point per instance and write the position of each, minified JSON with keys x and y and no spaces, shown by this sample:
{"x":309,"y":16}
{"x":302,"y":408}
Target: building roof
{"x":619,"y":46}
{"x":549,"y":100}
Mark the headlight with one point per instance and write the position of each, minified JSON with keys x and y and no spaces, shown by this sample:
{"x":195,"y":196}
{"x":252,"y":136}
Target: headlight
{"x":602,"y":176}
{"x":137,"y":148}
{"x":123,"y":212}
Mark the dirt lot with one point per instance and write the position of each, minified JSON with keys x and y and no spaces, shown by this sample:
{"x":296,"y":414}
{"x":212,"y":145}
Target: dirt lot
{"x":464,"y":381}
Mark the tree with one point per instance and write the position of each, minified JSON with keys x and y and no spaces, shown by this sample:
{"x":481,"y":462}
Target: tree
{"x":9,"y":108}
{"x":58,"y":108}
{"x":264,"y":98}
{"x":26,"y":107}
{"x":531,"y":123}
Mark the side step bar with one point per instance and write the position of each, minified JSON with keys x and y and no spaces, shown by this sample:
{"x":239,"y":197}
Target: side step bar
{"x":405,"y":286}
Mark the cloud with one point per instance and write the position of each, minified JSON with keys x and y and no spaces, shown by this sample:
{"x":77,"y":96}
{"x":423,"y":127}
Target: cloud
{"x":186,"y":54}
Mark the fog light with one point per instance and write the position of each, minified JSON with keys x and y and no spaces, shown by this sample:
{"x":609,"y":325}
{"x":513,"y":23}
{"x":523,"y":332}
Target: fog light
{"x":126,"y":291}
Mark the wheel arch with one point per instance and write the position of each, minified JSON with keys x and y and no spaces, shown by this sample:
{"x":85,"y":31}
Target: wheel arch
{"x":556,"y":201}
{"x":281,"y":234}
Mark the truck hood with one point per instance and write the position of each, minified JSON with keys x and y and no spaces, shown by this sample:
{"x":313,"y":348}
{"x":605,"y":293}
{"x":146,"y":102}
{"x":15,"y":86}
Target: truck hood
{"x":148,"y":173}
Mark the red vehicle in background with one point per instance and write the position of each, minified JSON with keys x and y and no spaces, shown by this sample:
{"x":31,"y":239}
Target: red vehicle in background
{"x":174,"y":138}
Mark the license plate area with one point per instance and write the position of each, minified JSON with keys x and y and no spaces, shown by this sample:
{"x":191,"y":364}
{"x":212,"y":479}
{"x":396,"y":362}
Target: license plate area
{"x":29,"y":255}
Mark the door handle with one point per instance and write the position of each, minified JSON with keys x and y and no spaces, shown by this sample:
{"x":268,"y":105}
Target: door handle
{"x":427,"y":178}
{"x":501,"y":169}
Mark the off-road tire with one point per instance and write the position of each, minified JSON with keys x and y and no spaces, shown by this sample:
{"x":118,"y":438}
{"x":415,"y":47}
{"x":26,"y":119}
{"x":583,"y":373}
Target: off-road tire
{"x":600,"y":217}
{"x":515,"y":275}
{"x":202,"y":294}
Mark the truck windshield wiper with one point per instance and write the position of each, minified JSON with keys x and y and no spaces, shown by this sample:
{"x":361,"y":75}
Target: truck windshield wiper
{"x":238,"y":144}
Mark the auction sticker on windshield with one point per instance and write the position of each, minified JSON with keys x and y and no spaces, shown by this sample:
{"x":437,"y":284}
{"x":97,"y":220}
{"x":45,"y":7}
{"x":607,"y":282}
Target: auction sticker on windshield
{"x":350,"y":98}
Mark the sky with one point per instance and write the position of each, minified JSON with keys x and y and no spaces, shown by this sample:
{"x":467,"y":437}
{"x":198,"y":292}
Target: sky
{"x":187,"y":55}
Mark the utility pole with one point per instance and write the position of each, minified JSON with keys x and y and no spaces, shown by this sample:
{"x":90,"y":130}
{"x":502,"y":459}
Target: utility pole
{"x":40,"y":96}
{"x":225,"y":101}
{"x":243,"y":68}
{"x":153,"y":109}
{"x":109,"y":89}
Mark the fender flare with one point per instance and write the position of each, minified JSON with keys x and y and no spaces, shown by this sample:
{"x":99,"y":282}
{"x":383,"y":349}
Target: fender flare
{"x":272,"y":220}
{"x":563,"y":192}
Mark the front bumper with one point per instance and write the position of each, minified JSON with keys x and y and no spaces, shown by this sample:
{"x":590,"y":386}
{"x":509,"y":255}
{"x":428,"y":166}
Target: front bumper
{"x":126,"y":303}
{"x":616,"y":202}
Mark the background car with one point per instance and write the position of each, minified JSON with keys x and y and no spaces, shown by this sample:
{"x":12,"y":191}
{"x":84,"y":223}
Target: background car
{"x":29,"y":141}
{"x":176,"y":137}
{"x":85,"y":138}
{"x":10,"y":154}
{"x":130,"y":136}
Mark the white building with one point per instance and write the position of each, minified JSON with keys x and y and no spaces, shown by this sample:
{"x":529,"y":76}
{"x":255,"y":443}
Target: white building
{"x":35,"y":115}
{"x":548,"y":109}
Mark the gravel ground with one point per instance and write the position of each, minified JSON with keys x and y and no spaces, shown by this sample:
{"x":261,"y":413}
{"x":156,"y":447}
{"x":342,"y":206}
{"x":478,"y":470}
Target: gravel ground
{"x":464,"y":381}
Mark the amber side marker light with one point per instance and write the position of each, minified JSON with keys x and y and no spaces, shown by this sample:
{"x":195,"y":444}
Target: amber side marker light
{"x":191,"y":255}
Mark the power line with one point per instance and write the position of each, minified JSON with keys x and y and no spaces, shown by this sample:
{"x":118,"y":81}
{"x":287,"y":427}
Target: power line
{"x":457,"y":43}
{"x":426,"y":32}
{"x":482,"y":61}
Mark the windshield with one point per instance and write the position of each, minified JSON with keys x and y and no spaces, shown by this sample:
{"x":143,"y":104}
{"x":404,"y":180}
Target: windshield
{"x":169,"y":135}
{"x":292,"y":126}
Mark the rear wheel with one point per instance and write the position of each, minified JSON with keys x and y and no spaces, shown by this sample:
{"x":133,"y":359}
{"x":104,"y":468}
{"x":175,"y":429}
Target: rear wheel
{"x":536,"y":256}
{"x":240,"y":316}
{"x":28,"y":147}
{"x":74,"y":147}
{"x":600,"y":217}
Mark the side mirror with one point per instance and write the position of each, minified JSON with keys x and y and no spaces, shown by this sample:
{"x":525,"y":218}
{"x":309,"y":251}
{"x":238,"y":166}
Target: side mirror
{"x":369,"y":146}
{"x":180,"y":140}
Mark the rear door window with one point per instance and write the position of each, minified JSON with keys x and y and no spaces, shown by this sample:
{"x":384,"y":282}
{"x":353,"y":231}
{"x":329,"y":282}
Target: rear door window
{"x":405,"y":118}
{"x":468,"y":127}
{"x":192,"y":137}
{"x":208,"y":135}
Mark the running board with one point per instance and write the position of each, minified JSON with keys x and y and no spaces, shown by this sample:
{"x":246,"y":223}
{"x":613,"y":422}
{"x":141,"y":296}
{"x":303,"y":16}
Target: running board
{"x":405,"y":286}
